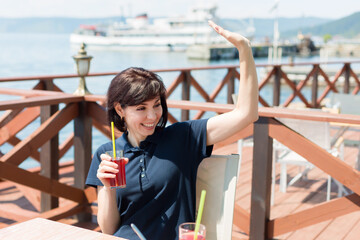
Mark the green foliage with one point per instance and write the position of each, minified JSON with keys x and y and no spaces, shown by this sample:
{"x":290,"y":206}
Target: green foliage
{"x":347,"y":27}
{"x":327,"y":37}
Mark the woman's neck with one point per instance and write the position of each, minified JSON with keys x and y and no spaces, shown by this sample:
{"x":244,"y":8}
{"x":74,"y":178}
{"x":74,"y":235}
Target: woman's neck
{"x":133,"y":140}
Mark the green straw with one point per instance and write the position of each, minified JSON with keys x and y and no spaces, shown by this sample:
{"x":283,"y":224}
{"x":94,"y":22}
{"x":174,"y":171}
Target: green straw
{"x":200,"y":211}
{"x":113,"y":139}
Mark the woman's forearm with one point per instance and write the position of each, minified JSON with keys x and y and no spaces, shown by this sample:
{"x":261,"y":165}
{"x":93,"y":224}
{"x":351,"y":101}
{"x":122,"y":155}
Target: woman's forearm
{"x":108,"y":214}
{"x":248,"y":98}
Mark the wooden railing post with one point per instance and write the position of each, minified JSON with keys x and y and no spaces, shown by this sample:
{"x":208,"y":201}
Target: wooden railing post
{"x":49,"y":155}
{"x":277,"y":86}
{"x":186,"y":84}
{"x":261,"y":180}
{"x":347,"y":78}
{"x":314,"y":87}
{"x":231,"y":86}
{"x":82,"y":148}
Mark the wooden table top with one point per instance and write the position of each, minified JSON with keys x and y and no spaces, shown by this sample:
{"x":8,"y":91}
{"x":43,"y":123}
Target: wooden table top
{"x":40,"y":228}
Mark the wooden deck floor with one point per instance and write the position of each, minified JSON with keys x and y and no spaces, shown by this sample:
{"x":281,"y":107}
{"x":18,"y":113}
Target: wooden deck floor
{"x":302,"y":195}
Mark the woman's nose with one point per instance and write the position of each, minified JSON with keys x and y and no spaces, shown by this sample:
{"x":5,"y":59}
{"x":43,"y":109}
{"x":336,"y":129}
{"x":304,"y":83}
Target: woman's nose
{"x":151,"y":114}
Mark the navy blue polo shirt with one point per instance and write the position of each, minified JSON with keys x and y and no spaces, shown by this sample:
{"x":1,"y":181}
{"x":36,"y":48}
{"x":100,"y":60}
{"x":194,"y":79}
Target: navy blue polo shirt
{"x":160,"y":179}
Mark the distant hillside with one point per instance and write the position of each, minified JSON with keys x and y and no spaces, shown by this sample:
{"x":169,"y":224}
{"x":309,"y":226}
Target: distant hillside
{"x":265,"y":26}
{"x":348,"y":27}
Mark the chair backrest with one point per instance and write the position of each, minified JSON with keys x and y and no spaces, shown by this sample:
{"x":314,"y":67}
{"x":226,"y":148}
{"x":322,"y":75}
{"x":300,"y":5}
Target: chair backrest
{"x":347,"y":103}
{"x":315,"y":131}
{"x":218,"y":176}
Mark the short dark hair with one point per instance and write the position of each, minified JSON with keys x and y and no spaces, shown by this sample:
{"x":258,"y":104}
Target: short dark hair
{"x":132,"y":87}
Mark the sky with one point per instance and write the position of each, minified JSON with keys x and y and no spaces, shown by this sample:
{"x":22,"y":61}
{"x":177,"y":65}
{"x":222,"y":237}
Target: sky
{"x":333,"y":9}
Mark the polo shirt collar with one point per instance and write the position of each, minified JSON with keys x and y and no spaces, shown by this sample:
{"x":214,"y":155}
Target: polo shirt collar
{"x":123,"y":140}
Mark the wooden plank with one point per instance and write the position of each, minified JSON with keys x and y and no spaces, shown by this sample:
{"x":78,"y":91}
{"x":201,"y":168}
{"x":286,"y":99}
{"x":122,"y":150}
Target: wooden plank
{"x":98,"y":114}
{"x":241,"y":219}
{"x":47,"y":130}
{"x":269,"y":112}
{"x":331,"y":85}
{"x":296,"y":92}
{"x":179,"y":79}
{"x":58,"y":213}
{"x":299,"y":194}
{"x":185,"y":94}
{"x":82,"y":145}
{"x":33,"y":153}
{"x":277,"y":86}
{"x":36,"y":181}
{"x":317,"y":214}
{"x":82,"y":150}
{"x":244,"y":133}
{"x":267,"y":78}
{"x":231,"y":86}
{"x":354,"y":233}
{"x":30,"y":92}
{"x":8,"y":115}
{"x":318,"y":156}
{"x":32,"y":195}
{"x":307,"y":114}
{"x":90,"y":194}
{"x":346,"y":222}
{"x":214,"y":94}
{"x":49,"y":159}
{"x":198,"y":87}
{"x":261,"y":180}
{"x":66,"y":145}
{"x":39,"y":101}
{"x":16,"y":213}
{"x":315,"y":88}
{"x":40,"y":228}
{"x":18,"y":123}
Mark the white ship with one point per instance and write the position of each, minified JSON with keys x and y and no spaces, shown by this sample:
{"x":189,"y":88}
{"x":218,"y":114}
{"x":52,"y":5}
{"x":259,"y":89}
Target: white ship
{"x":167,"y":34}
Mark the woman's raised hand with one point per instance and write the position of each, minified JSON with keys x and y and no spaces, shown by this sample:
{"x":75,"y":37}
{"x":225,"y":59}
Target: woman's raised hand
{"x":236,"y":39}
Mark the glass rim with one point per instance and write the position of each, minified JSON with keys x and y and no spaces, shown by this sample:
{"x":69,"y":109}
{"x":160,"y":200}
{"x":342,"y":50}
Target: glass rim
{"x":191,"y":223}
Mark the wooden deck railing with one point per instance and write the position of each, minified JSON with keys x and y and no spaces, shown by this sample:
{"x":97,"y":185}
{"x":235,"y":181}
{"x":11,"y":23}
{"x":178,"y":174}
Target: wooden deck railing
{"x":42,"y":144}
{"x":275,"y":75}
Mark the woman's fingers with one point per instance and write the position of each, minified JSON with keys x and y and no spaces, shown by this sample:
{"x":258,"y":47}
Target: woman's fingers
{"x":107,"y":168}
{"x":236,"y":39}
{"x":216,"y":27}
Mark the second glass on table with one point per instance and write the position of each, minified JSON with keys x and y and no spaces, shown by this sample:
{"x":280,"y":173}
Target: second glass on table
{"x":120,"y":179}
{"x":187,"y":231}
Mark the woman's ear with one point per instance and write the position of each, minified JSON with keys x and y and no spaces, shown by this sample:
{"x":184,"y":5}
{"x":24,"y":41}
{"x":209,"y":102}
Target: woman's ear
{"x":119,"y":109}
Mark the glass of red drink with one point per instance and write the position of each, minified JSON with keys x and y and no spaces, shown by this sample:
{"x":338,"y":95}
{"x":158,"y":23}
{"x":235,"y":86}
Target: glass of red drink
{"x":187,"y":231}
{"x":120,"y":177}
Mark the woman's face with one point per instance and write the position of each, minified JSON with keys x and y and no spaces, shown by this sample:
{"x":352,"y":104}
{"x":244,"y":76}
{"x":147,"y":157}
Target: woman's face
{"x":141,"y":120}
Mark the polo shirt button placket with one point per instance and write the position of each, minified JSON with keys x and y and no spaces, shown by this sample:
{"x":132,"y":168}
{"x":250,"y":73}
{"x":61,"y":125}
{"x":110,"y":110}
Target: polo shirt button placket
{"x":142,"y":167}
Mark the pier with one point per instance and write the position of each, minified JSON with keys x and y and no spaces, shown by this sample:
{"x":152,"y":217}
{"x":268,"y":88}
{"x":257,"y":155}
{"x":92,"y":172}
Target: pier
{"x":56,"y":189}
{"x":216,"y":51}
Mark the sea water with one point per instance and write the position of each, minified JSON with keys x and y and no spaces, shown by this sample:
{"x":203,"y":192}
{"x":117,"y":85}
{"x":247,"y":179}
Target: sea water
{"x":27,"y":54}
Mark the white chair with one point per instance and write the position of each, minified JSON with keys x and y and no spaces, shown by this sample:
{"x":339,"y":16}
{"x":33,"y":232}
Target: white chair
{"x":218,"y":176}
{"x":347,"y":104}
{"x":317,"y":132}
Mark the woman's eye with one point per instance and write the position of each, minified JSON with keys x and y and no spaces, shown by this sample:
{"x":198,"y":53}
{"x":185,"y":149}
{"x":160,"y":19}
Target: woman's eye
{"x":140,"y":109}
{"x":157,"y":105}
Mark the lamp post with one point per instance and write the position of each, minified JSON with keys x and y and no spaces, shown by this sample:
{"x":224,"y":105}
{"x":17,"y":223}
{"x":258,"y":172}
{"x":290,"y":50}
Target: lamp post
{"x":82,"y":61}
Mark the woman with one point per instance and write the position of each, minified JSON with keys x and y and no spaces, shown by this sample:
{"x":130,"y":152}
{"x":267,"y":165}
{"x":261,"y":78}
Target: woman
{"x":162,"y":161}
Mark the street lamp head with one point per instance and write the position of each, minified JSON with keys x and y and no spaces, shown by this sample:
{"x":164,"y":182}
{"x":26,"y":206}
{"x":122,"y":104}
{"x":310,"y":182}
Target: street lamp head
{"x":82,"y":61}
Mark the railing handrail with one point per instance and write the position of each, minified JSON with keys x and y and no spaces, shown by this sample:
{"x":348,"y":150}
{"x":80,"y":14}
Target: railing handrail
{"x":304,"y":114}
{"x":51,"y":77}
